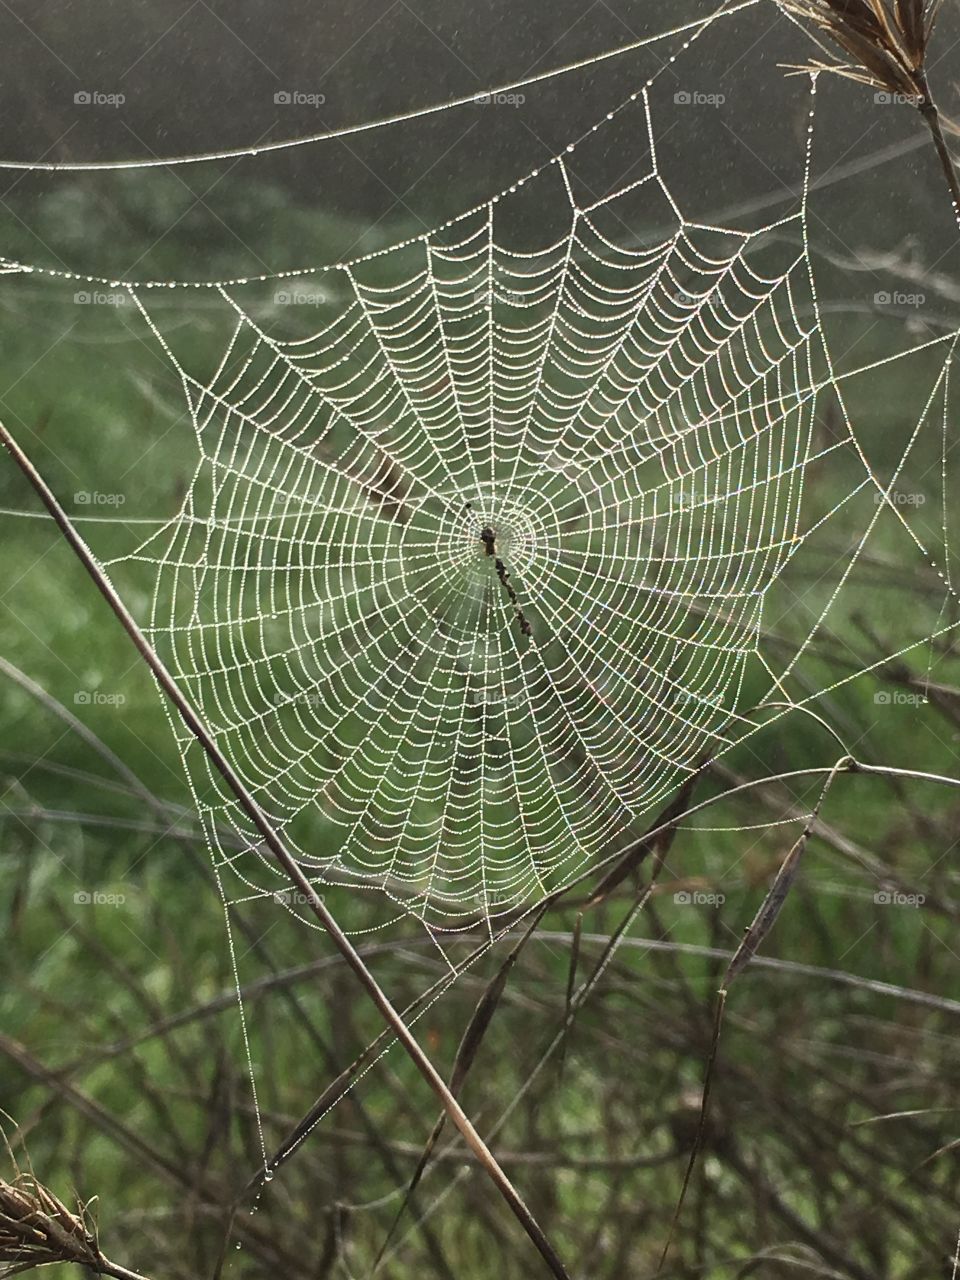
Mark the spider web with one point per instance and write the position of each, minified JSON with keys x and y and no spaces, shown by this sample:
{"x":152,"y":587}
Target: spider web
{"x":471,"y":576}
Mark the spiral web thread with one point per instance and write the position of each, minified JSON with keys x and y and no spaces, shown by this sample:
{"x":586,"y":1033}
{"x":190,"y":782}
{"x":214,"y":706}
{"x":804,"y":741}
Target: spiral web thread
{"x":470,"y":578}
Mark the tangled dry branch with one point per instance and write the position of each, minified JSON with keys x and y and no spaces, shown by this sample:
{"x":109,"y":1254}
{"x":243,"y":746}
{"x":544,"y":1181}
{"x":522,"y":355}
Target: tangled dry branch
{"x":37,"y":1229}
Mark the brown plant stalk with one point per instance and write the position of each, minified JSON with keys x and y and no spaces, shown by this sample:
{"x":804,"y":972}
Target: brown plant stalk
{"x":37,"y":1229}
{"x":286,"y":861}
{"x":887,"y":43}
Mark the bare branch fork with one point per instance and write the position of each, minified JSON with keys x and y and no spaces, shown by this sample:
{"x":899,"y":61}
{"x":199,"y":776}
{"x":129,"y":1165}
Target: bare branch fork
{"x":285,"y":859}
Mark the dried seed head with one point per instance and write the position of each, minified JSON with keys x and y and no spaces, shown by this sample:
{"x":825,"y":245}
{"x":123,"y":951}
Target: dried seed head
{"x":37,"y":1229}
{"x":887,"y":40}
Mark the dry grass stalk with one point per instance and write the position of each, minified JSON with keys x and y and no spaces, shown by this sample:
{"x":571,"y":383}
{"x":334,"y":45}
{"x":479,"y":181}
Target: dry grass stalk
{"x":758,"y":929}
{"x":887,"y":42}
{"x":294,"y":871}
{"x":37,"y":1229}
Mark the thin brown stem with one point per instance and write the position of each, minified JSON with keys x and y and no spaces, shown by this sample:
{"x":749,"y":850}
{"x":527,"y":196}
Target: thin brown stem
{"x":286,"y":860}
{"x":108,"y":1268}
{"x":933,"y":120}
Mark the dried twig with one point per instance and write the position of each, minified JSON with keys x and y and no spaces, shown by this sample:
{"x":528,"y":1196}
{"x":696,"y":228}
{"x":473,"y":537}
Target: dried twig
{"x":251,"y":809}
{"x":761,"y":925}
{"x":658,"y":840}
{"x":466,"y":1053}
{"x":37,"y":1229}
{"x":887,"y":42}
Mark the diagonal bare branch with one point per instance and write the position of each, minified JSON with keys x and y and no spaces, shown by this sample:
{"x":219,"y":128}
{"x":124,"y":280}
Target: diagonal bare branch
{"x":286,"y":860}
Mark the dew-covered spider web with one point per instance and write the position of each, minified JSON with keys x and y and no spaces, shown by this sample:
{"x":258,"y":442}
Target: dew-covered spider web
{"x":472,"y":576}
{"x":476,"y":569}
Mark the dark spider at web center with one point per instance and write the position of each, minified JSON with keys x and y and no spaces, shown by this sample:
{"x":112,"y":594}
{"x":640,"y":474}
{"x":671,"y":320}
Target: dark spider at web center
{"x":489,"y":539}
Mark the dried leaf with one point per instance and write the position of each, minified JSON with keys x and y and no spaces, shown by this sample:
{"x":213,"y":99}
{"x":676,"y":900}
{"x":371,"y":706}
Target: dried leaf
{"x":770,"y":908}
{"x":910,"y":20}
